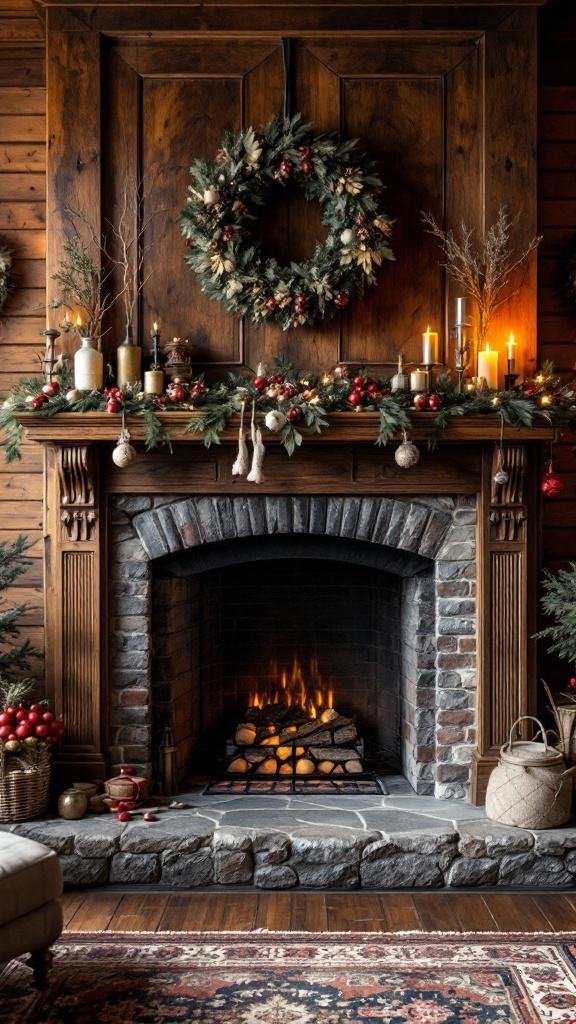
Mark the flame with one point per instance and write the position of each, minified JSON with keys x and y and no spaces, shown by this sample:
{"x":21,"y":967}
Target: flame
{"x":294,"y":690}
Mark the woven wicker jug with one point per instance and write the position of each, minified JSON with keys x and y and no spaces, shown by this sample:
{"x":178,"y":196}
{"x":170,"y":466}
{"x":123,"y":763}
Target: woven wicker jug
{"x":530,"y":787}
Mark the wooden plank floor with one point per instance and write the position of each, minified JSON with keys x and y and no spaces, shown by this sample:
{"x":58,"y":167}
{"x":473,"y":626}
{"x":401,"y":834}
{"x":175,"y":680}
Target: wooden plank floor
{"x":319,"y":912}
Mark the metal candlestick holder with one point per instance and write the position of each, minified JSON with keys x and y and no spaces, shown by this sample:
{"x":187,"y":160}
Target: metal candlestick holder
{"x":510,"y":380}
{"x":460,"y":332}
{"x":50,"y":355}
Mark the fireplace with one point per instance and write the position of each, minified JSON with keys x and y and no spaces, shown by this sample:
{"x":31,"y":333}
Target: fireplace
{"x":133,"y":554}
{"x":212,"y":599}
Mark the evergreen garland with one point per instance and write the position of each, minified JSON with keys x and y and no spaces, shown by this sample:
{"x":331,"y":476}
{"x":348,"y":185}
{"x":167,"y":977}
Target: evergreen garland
{"x":559,"y":602}
{"x":228,"y":192}
{"x":305,"y":399}
{"x":13,"y":656}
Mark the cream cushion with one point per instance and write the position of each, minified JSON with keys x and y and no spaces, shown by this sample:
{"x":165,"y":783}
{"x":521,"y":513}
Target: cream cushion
{"x":30,"y":876}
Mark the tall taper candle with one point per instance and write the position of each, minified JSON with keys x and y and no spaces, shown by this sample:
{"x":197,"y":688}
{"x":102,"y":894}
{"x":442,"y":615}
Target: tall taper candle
{"x":429,"y":347}
{"x":511,"y":352}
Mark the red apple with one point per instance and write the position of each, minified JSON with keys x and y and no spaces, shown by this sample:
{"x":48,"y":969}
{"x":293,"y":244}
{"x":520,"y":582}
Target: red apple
{"x":11,"y":710}
{"x":34,"y":718}
{"x":124,"y":816}
{"x":5,"y":731}
{"x":42,"y":730}
{"x":48,"y":717}
{"x":420,"y":402}
{"x":23,"y":731}
{"x":149,"y":817}
{"x":39,"y":708}
{"x":22,"y":715}
{"x":6,"y":718}
{"x":434,"y":402}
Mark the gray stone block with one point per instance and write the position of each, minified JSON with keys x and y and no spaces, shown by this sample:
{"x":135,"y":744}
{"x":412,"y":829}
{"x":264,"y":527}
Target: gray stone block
{"x":270,"y":847}
{"x":232,"y":867}
{"x":437,"y":527}
{"x":528,"y":869}
{"x":382,"y":522}
{"x":135,"y":868}
{"x":317,"y":515}
{"x":269,"y":877}
{"x":84,"y":871}
{"x":454,"y":626}
{"x":187,"y":870}
{"x":402,"y":871}
{"x":471,"y":845}
{"x":366,"y":518}
{"x":57,"y":835}
{"x":396,"y":524}
{"x":299,"y":513}
{"x":155,"y":837}
{"x":241,"y":514}
{"x":333,"y":876}
{"x":257,"y":516}
{"x":469,"y":871}
{"x":132,"y":503}
{"x":99,"y":842}
{"x":328,"y":844}
{"x":128,"y":550}
{"x":224,"y":515}
{"x":413,"y":528}
{"x":556,"y":841}
{"x":350,"y":514}
{"x":232,"y":839}
{"x":501,"y":842}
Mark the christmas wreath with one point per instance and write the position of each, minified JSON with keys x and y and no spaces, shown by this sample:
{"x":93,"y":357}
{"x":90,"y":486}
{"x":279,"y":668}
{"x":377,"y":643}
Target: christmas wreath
{"x":224,"y":200}
{"x":6,"y":279}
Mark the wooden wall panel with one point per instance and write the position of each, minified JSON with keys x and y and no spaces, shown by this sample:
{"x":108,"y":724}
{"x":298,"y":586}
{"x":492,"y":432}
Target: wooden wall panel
{"x":557,"y":222}
{"x":22,"y":223}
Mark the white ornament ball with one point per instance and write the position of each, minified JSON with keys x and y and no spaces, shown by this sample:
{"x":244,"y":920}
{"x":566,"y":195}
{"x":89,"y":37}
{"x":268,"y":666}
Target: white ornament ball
{"x":406,"y":455}
{"x":347,"y":236}
{"x":275,"y":420}
{"x":73,"y":396}
{"x":211,"y":196}
{"x":123,"y":454}
{"x":501,"y":477}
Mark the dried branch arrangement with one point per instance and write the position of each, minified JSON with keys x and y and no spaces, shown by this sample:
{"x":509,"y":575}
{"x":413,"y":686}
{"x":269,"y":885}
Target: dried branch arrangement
{"x":483,"y":270}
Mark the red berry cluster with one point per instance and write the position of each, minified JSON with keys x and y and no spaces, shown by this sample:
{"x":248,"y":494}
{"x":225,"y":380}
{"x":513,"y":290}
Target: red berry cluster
{"x":114,"y":398}
{"x":28,"y":724}
{"x":48,"y":391}
{"x":301,"y":305}
{"x":228,"y":234}
{"x":306,"y":164}
{"x":363,"y":230}
{"x":364,"y":392}
{"x":276,"y":386}
{"x":285,"y":168}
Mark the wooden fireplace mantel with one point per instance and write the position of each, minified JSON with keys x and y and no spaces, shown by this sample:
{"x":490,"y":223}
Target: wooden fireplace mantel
{"x":80,"y":476}
{"x":344,"y":428}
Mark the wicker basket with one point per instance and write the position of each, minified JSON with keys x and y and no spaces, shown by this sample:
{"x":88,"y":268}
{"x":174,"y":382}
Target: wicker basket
{"x":24,"y":791}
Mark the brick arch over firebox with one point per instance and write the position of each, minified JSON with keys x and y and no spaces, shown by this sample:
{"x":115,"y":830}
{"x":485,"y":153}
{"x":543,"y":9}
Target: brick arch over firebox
{"x":433,"y":534}
{"x":412,"y":526}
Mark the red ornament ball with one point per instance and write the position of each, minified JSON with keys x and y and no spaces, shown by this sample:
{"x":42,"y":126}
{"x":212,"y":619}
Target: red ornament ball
{"x":434,"y":402}
{"x":260,"y":383}
{"x":39,"y":402}
{"x":293,"y":413}
{"x":551,"y":484}
{"x":421,"y":402}
{"x":112,"y":405}
{"x":359,"y":381}
{"x":178,"y":394}
{"x":355,"y":397}
{"x":342,"y":299}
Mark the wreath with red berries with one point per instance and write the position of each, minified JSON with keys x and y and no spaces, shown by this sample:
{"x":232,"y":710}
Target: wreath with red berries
{"x":225,"y":198}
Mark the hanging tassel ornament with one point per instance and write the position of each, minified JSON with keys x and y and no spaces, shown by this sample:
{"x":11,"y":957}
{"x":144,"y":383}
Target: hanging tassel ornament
{"x":123,"y":453}
{"x":256,"y":476}
{"x":406,"y":454}
{"x":242,"y":463}
{"x":501,"y":476}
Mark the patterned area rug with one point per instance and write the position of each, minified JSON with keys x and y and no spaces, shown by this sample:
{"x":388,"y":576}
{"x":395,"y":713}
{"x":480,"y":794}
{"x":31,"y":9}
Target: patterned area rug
{"x":272,"y":978}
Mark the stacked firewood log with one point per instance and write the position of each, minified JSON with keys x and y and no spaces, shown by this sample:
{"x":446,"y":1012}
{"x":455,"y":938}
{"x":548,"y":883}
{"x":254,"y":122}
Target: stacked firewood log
{"x":281,"y":740}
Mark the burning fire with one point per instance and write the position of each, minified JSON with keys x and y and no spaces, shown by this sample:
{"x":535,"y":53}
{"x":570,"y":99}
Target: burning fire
{"x":313,"y":696}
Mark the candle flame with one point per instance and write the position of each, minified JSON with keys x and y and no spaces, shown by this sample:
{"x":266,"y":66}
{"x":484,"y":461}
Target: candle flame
{"x":511,"y":339}
{"x":428,"y":329}
{"x":487,"y":349}
{"x":79,"y":322}
{"x":155,"y":326}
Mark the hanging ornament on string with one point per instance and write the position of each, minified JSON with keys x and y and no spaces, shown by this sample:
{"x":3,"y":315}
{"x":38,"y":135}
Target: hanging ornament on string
{"x":256,"y":474}
{"x":242,"y":463}
{"x":123,"y":453}
{"x":406,"y":454}
{"x":551,"y":484}
{"x":500,"y":476}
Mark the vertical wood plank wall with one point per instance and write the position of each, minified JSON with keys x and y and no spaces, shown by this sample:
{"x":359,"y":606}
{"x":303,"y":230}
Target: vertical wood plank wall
{"x":22,"y":228}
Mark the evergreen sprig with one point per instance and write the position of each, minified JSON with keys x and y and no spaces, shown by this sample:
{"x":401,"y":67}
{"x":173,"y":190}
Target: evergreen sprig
{"x":559,"y":602}
{"x":13,"y":564}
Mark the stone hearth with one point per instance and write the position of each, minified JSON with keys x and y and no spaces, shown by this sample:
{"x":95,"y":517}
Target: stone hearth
{"x":397,"y":841}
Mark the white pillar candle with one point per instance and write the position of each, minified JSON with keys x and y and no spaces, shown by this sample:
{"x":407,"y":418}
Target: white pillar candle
{"x":488,"y":367}
{"x":419,"y":380}
{"x":429,"y":347}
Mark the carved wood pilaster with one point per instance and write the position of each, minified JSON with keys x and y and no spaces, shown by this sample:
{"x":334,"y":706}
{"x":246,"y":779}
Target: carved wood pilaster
{"x":73,"y":603}
{"x":507,"y":553}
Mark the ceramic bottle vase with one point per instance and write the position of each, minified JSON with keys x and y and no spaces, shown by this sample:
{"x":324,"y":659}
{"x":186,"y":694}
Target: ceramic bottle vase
{"x":88,"y":367}
{"x":129,"y":363}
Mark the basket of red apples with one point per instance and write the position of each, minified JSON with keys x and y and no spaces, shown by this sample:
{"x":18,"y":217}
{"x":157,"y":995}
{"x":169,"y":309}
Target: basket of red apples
{"x":28,"y":732}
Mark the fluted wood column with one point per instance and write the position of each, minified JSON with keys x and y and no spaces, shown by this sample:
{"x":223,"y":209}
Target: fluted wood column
{"x":507,"y":566}
{"x":72,"y":545}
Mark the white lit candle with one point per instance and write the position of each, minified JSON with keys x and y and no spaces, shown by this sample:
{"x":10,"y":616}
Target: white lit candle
{"x":419,"y":380}
{"x":488,"y":367}
{"x":511,"y":352}
{"x":429,"y":347}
